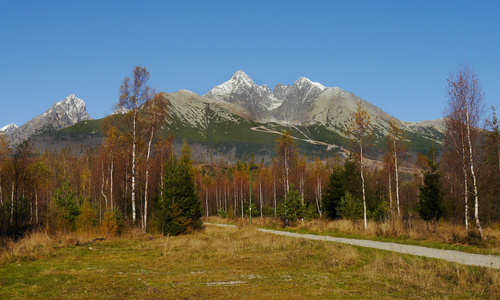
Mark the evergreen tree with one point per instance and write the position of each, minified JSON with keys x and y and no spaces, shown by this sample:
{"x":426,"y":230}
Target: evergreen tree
{"x":67,"y":208}
{"x":430,"y":205}
{"x":179,"y":208}
{"x":343,"y":179}
{"x":334,"y":193}
{"x":350,"y":207}
{"x":292,"y":207}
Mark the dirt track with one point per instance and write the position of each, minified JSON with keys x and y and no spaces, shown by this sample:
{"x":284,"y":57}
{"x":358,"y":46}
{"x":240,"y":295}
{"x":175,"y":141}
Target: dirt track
{"x":490,"y":261}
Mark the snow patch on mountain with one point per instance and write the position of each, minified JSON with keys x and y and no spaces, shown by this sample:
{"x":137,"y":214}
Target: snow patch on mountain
{"x":306,"y":82}
{"x":8,"y":128}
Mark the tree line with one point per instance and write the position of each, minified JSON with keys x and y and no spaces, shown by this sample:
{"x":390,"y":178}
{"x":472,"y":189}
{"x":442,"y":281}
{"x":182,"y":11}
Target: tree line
{"x":135,"y":177}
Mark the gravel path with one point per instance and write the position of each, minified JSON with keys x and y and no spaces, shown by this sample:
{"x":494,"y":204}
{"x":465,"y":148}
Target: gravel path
{"x":490,"y":261}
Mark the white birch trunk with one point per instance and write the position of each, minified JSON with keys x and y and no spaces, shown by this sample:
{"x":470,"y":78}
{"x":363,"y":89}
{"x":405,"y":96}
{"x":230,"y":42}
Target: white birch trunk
{"x":471,"y":164}
{"x":274,"y":186}
{"x":111,"y":185}
{"x":161,"y":182}
{"x":133,"y":168}
{"x":286,"y":171}
{"x":235,"y":200}
{"x":390,"y":191}
{"x":466,"y":199}
{"x":363,"y":185}
{"x":318,"y":195}
{"x":102,"y":187}
{"x":242,"y":204}
{"x":397,"y":179}
{"x":36,"y":206}
{"x":145,"y":216}
{"x":12,"y":204}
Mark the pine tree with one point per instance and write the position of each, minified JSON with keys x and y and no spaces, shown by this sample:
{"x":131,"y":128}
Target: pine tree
{"x":343,"y":179}
{"x":334,"y":193}
{"x":179,"y":208}
{"x":430,"y":205}
{"x":292,"y":207}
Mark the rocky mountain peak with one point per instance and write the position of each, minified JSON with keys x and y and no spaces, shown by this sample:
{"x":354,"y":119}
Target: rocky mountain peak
{"x":241,"y":78}
{"x":62,"y":114}
{"x":73,"y":107}
{"x":304,"y":82}
{"x":8,"y":128}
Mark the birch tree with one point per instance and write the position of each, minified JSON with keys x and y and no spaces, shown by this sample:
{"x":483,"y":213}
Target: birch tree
{"x":464,"y":112}
{"x":133,"y":94}
{"x":317,"y":176}
{"x":359,"y":128}
{"x":156,"y":110}
{"x":396,"y":143}
{"x":286,"y":157}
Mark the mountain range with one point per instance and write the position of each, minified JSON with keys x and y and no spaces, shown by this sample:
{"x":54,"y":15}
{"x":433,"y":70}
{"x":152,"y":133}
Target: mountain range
{"x":315,"y":114}
{"x":240,"y":116}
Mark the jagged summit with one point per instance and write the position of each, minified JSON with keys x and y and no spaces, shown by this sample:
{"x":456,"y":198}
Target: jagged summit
{"x":305,"y":102}
{"x":62,"y":114}
{"x":73,"y":107}
{"x":239,"y":80}
{"x":282,"y":103}
{"x":240,"y":77}
{"x":242,"y":90}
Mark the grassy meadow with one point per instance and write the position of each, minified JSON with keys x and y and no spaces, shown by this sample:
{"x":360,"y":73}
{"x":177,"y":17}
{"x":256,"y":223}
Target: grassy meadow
{"x":226,"y":263}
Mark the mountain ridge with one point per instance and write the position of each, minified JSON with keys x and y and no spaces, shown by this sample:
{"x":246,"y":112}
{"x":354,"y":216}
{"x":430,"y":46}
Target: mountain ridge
{"x":239,"y":114}
{"x":308,"y":103}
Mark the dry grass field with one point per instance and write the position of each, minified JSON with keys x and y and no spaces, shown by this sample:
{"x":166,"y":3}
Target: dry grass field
{"x":229,"y":263}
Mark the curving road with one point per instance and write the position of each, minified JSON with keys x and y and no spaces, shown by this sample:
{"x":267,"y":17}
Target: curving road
{"x":490,"y":261}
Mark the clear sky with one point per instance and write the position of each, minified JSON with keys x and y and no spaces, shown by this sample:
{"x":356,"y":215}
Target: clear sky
{"x":394,"y":54}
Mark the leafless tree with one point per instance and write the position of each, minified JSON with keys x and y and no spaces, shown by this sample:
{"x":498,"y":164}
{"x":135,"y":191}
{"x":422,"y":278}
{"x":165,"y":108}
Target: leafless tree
{"x":359,"y":128}
{"x":133,"y":94}
{"x":396,"y":143}
{"x":463,"y":114}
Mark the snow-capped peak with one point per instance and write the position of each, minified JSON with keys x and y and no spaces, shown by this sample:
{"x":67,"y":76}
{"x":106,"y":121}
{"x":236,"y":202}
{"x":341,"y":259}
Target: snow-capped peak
{"x":238,"y":80}
{"x":306,"y":81}
{"x":8,"y":128}
{"x":241,"y":78}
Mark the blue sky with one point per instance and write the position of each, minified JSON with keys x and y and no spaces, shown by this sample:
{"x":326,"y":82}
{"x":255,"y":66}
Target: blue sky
{"x":394,"y":54}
